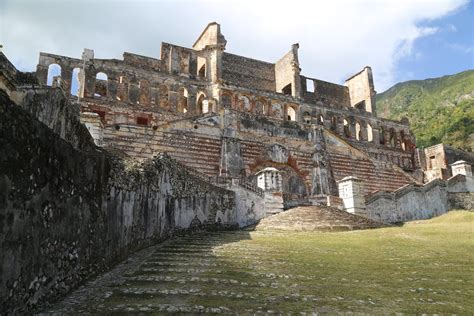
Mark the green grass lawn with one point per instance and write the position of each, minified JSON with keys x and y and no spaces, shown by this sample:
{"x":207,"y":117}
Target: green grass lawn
{"x":422,"y":267}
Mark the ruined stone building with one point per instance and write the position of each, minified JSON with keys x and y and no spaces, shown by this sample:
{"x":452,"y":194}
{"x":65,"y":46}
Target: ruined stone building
{"x":110,"y":156}
{"x":226,"y":115}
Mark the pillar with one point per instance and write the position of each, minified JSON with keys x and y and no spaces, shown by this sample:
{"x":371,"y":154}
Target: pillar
{"x":461,"y":167}
{"x":351,"y":192}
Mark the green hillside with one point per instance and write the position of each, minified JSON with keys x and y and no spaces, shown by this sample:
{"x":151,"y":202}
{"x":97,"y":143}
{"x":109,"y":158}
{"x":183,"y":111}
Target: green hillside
{"x":439,"y":109}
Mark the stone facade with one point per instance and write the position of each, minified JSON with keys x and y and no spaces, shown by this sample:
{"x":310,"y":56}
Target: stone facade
{"x":111,"y":155}
{"x":435,"y":161}
{"x":232,"y":116}
{"x":413,"y":202}
{"x":69,"y":209}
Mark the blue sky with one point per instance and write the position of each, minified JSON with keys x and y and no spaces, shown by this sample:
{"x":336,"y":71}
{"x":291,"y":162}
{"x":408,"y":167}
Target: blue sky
{"x":400,"y":40}
{"x":449,"y":50}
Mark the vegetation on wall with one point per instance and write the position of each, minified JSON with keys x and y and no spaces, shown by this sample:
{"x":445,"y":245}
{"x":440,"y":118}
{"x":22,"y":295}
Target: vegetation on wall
{"x":440,"y":110}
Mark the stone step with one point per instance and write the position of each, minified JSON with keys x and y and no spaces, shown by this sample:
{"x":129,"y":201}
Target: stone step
{"x":316,"y":218}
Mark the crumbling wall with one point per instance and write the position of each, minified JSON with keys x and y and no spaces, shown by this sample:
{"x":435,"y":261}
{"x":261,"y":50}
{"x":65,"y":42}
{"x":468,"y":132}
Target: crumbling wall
{"x":461,"y":200}
{"x":361,"y":90}
{"x":67,"y":214}
{"x":247,"y":72}
{"x":52,"y":107}
{"x":412,"y":202}
{"x":331,"y":94}
{"x":250,"y":207}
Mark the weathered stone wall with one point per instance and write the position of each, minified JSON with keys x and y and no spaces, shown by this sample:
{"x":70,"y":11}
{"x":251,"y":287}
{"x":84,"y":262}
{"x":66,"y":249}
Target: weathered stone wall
{"x":250,"y":207}
{"x":248,"y":72}
{"x":52,"y":107}
{"x":409,"y":203}
{"x":413,"y":202}
{"x":66,"y":214}
{"x":337,"y":96}
{"x":138,"y":92}
{"x":435,"y":160}
{"x":461,"y":200}
{"x":285,"y":69}
{"x":361,"y":90}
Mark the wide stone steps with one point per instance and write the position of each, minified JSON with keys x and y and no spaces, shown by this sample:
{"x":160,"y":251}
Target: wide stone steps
{"x":198,"y":152}
{"x":218,"y":272}
{"x":374,"y":177}
{"x":323,"y":218}
{"x":181,"y":276}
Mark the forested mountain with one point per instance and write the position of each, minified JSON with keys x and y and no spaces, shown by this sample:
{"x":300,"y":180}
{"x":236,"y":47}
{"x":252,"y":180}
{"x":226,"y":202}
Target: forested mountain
{"x":440,"y":110}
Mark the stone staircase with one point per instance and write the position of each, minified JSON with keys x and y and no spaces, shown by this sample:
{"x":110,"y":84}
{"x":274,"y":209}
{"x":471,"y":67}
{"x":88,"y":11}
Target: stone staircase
{"x":196,"y":151}
{"x":316,"y":218}
{"x":273,"y":203}
{"x":375,"y":177}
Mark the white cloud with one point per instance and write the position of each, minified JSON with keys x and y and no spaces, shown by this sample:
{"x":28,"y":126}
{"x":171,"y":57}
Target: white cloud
{"x":337,"y":38}
{"x":465,"y":49}
{"x":451,"y":28}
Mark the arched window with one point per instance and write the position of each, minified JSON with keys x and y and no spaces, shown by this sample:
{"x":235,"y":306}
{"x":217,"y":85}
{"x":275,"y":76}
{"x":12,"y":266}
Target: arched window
{"x":260,"y":107}
{"x":402,"y":140}
{"x":290,"y":114}
{"x":333,"y":123}
{"x":360,"y":106}
{"x":201,"y":66}
{"x":347,"y":132}
{"x":54,"y":70}
{"x":226,"y":101}
{"x":245,"y":103}
{"x":320,"y":120}
{"x":75,"y":84}
{"x":382,"y":135}
{"x":286,"y":89}
{"x":370,"y":135}
{"x":202,"y":71}
{"x":393,"y":138}
{"x":100,"y":85}
{"x":203,"y":104}
{"x":307,"y":117}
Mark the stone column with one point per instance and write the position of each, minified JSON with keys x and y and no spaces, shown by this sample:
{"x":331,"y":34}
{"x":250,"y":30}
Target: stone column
{"x":66,"y":75}
{"x":352,"y":194}
{"x":352,"y":129}
{"x":364,"y":132}
{"x":375,"y":135}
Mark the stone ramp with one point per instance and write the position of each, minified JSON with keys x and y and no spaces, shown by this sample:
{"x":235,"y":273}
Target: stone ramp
{"x":316,"y":218}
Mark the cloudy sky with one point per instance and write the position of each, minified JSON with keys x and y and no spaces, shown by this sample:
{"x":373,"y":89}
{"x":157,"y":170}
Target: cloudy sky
{"x":401,"y":40}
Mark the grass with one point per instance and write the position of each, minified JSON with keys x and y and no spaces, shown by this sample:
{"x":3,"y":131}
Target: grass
{"x":421,"y":267}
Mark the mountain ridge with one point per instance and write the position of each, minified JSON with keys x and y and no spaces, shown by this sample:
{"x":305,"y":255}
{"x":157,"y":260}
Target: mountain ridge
{"x":439,"y":109}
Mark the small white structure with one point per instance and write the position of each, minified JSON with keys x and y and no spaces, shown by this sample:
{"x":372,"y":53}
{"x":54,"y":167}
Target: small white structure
{"x":94,"y":124}
{"x":352,"y":194}
{"x":461,"y":167}
{"x":269,"y":179}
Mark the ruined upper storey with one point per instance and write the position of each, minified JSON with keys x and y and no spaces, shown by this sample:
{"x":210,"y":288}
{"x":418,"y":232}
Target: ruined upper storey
{"x":185,"y":82}
{"x":208,"y":63}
